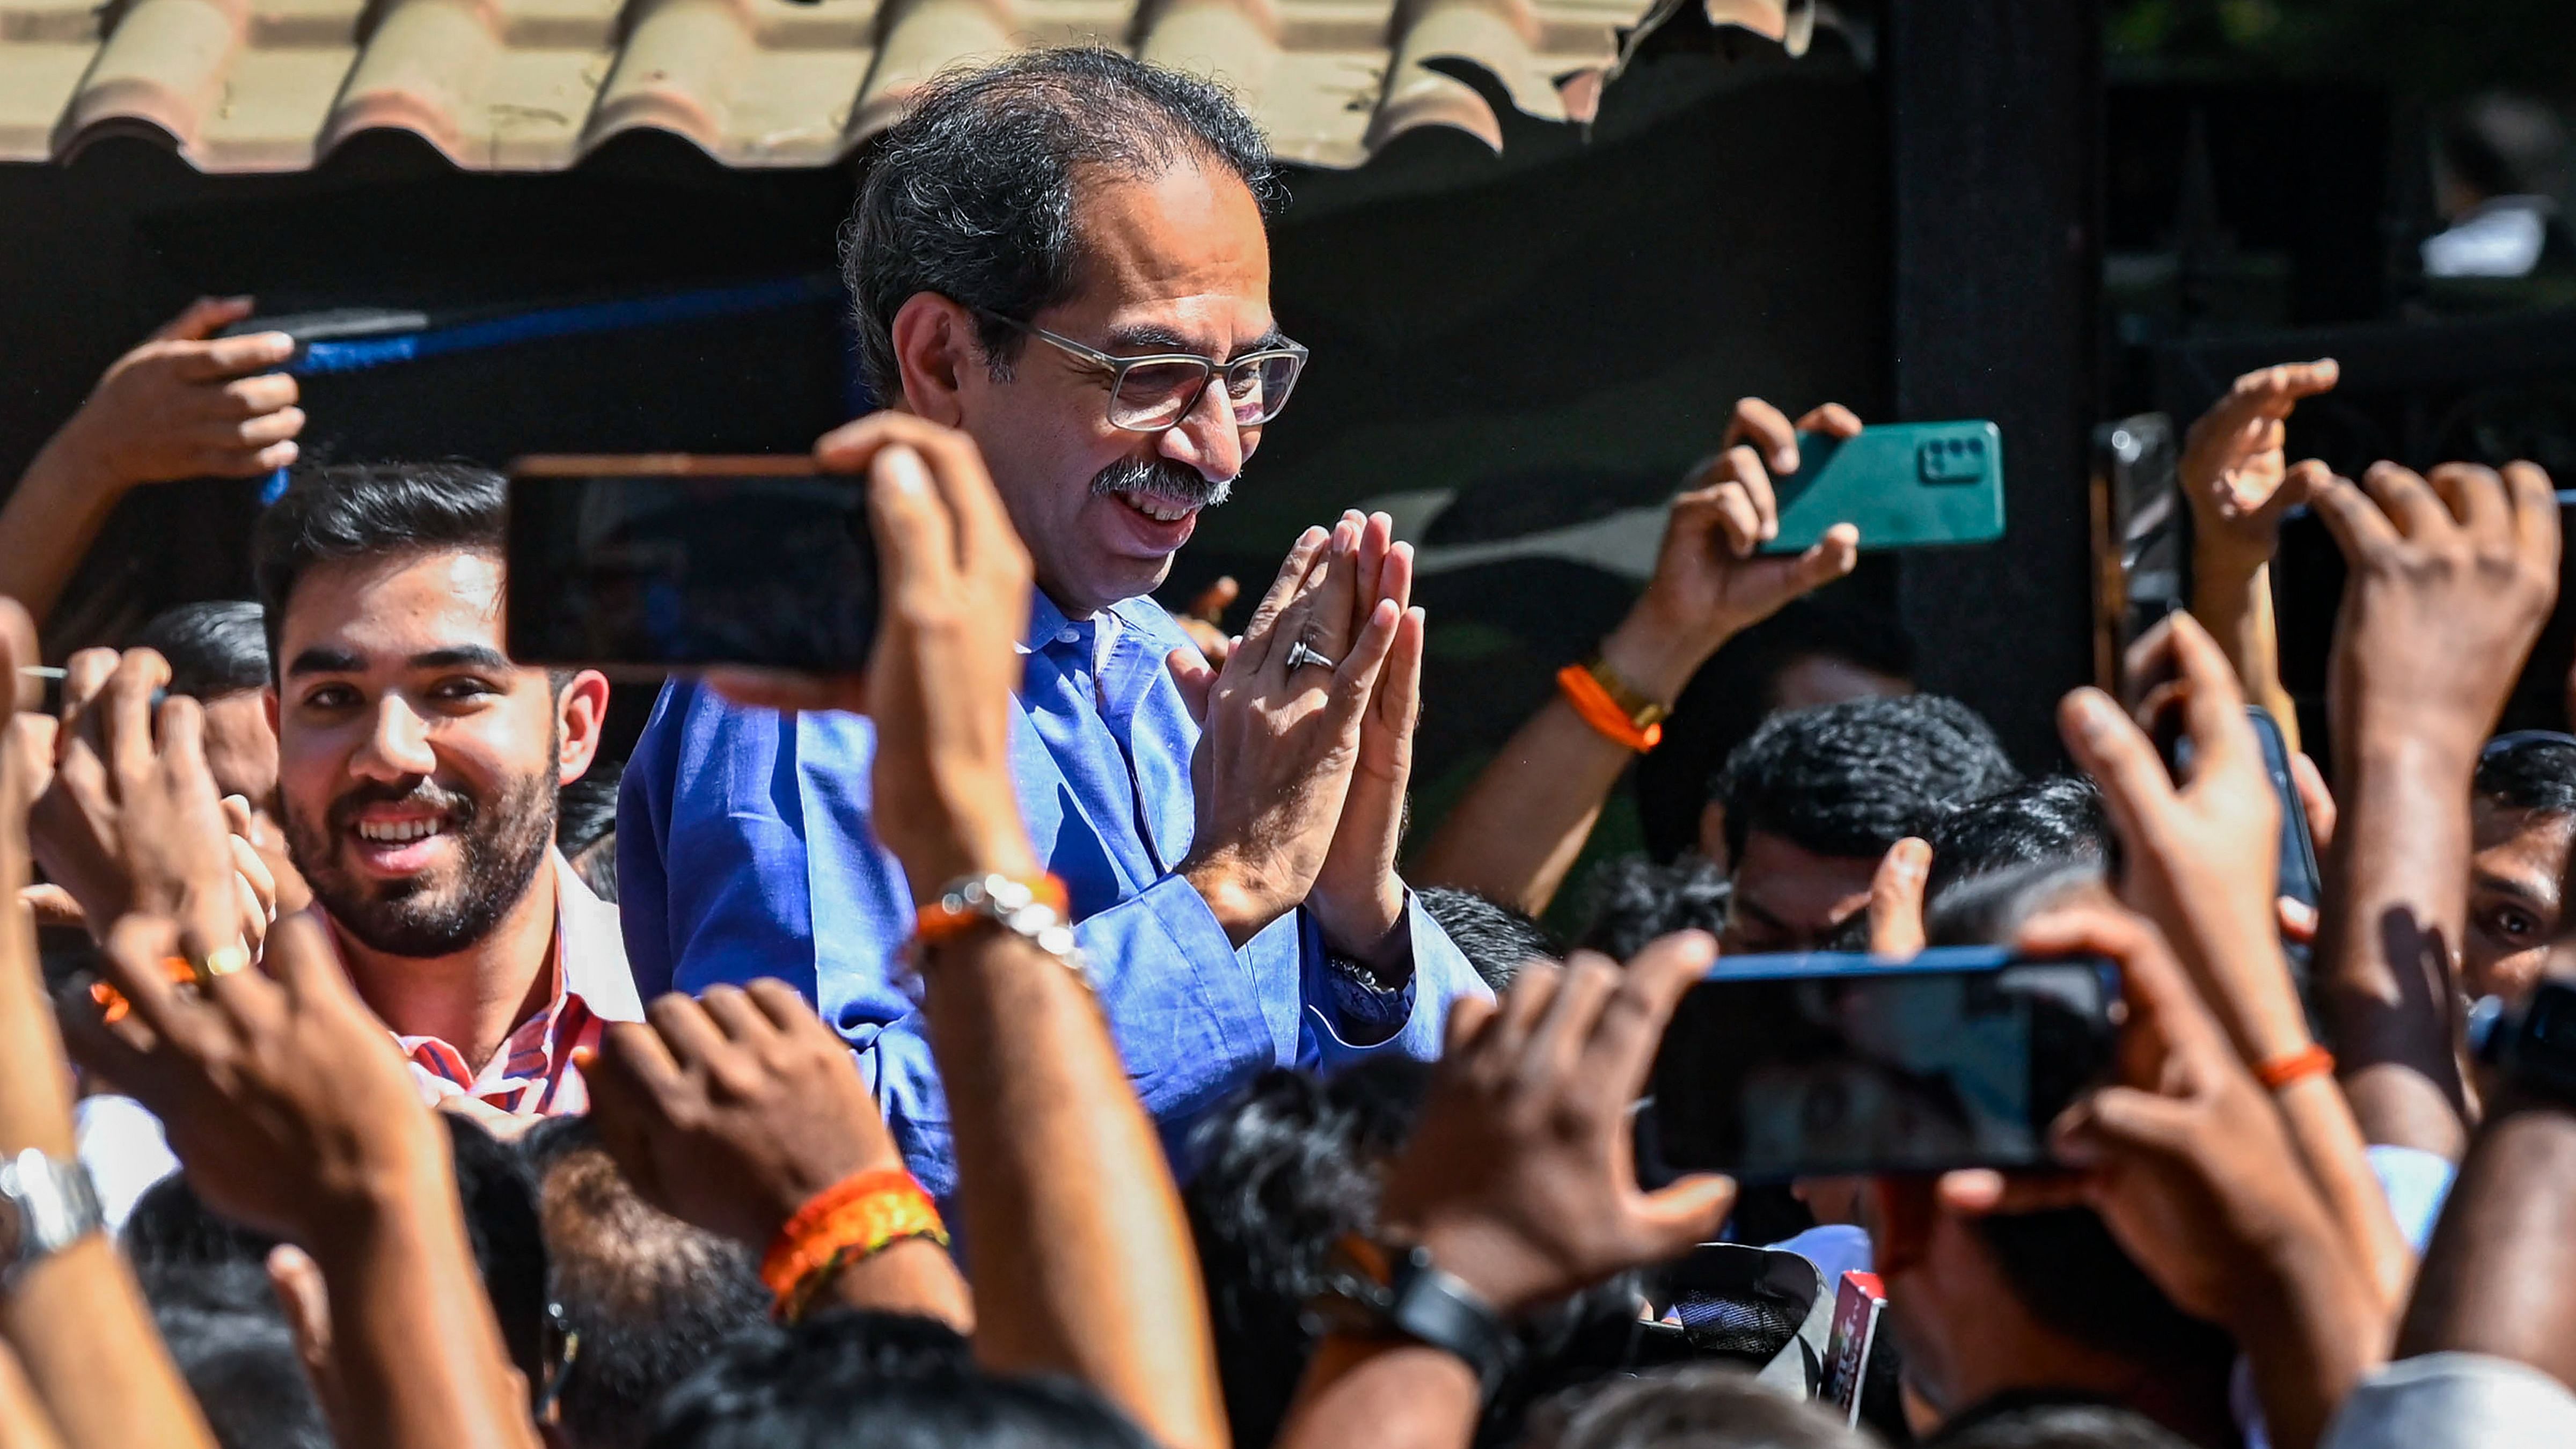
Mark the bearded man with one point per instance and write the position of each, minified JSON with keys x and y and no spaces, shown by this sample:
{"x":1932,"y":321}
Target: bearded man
{"x":416,"y":779}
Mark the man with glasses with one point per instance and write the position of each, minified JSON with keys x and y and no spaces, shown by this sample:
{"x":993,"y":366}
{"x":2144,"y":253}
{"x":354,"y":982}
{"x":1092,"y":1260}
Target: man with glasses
{"x":1063,"y":257}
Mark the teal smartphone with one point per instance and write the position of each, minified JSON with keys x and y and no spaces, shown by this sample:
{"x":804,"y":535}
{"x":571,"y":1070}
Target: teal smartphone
{"x":1904,"y":485}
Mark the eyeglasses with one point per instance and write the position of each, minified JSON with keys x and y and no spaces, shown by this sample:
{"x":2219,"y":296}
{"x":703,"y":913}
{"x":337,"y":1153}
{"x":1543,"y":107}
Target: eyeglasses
{"x":1149,"y":394}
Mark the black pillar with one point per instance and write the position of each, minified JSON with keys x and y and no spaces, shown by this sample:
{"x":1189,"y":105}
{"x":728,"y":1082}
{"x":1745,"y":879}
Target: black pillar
{"x":1995,"y":107}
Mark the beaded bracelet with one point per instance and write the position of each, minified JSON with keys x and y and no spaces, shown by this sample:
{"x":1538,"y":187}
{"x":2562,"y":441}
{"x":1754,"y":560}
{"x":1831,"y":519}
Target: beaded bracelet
{"x":852,"y":1220}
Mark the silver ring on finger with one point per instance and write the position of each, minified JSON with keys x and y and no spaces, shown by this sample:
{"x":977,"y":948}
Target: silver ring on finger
{"x":1301,"y":654}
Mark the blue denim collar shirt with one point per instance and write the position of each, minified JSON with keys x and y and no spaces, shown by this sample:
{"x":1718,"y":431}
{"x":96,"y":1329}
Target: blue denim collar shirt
{"x":744,"y":850}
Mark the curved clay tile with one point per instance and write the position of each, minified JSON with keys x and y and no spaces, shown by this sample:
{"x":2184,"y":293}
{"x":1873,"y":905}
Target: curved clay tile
{"x":925,"y":38}
{"x":165,"y":64}
{"x":680,"y":64}
{"x":1495,"y":34}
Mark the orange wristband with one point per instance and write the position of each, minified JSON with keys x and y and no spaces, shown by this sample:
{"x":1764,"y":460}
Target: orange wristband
{"x":2311,"y":1061}
{"x":859,"y":1216}
{"x":937,"y":922}
{"x":1603,"y":713}
{"x":113,"y":1007}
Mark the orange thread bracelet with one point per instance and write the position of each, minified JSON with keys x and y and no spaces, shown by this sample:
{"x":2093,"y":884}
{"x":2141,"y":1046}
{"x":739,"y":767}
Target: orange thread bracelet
{"x":1603,"y":713}
{"x":113,"y":1006}
{"x":854,"y":1219}
{"x":2310,"y":1061}
{"x":937,"y":921}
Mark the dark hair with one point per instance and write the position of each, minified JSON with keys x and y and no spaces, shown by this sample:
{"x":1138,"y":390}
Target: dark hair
{"x":1698,"y":1407}
{"x":2532,"y":772}
{"x":1730,"y":696}
{"x":586,"y":809}
{"x":971,"y":195}
{"x":184,"y":1253}
{"x":1854,"y":778}
{"x":246,"y":1375}
{"x":2072,"y":1275}
{"x":849,"y":1380}
{"x":1989,"y":909}
{"x":2029,"y":1421}
{"x":650,"y":1297}
{"x":2503,"y":145}
{"x":1285,"y":1167}
{"x":215,"y":648}
{"x":2059,"y":820}
{"x":371,"y":510}
{"x":499,"y":1197}
{"x":1633,"y":900}
{"x":1493,"y":937}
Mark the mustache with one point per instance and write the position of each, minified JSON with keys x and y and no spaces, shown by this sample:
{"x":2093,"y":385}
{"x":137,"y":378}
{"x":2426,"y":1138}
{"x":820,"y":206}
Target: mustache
{"x":424,"y":793}
{"x":1164,"y":477}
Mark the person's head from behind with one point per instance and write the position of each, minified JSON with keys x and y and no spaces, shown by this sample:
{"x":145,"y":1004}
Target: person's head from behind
{"x":247,"y":1376}
{"x":1494,"y":938}
{"x":218,"y":654}
{"x":417,"y":765}
{"x":849,"y":1380}
{"x":2059,"y":820}
{"x":1635,"y":900}
{"x":2042,"y":1422}
{"x":2522,"y":816}
{"x":1700,"y":1407}
{"x":1285,"y":1168}
{"x":643,"y":1298}
{"x":2042,"y":1302}
{"x":1814,"y":799}
{"x":1117,"y":208}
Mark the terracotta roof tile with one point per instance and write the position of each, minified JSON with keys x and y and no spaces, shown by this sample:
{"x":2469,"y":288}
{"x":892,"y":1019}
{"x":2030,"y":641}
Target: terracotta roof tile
{"x":533,"y":85}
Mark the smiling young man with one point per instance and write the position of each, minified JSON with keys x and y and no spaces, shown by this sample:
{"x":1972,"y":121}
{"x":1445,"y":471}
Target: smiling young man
{"x":1063,"y":259}
{"x":417,"y":773}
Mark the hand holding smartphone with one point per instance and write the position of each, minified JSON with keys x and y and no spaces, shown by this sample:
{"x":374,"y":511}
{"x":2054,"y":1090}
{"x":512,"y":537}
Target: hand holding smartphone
{"x":1905,"y":485}
{"x":1826,"y":1064}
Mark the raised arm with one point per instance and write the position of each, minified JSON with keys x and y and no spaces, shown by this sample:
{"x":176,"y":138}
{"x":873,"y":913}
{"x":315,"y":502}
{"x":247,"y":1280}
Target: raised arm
{"x":2450,"y":582}
{"x":86,"y":1361}
{"x":184,"y":404}
{"x":2201,"y":860}
{"x":1082,"y":1262}
{"x":2239,"y":488}
{"x":289,"y":1106}
{"x":1517,"y":831}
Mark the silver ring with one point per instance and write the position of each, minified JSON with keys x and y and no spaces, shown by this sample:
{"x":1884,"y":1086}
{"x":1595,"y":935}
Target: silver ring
{"x":1300,"y":655}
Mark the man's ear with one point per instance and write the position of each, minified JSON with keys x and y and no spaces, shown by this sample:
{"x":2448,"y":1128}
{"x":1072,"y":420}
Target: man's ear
{"x":935,"y":341}
{"x":581,"y":713}
{"x":268,"y":706}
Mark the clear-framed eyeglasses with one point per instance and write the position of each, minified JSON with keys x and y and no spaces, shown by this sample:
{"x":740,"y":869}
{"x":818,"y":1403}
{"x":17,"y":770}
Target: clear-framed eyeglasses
{"x":1151,"y":393}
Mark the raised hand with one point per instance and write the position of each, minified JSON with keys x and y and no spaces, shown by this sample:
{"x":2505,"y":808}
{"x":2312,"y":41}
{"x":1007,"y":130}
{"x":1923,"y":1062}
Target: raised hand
{"x":2202,"y":859}
{"x":733,"y":1110}
{"x":1710,"y":584}
{"x":2235,"y":476}
{"x":189,"y":404}
{"x":1204,"y":619}
{"x":1521,"y":1178}
{"x":955,"y":582}
{"x":2451,"y":579}
{"x":1279,"y":739}
{"x":1357,"y":899}
{"x":130,"y":821}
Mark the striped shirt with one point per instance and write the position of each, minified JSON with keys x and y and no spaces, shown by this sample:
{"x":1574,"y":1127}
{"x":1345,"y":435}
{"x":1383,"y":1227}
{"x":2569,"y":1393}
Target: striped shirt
{"x":532,"y":1075}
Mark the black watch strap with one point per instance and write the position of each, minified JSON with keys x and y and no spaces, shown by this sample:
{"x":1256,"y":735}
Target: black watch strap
{"x":1398,"y":1292}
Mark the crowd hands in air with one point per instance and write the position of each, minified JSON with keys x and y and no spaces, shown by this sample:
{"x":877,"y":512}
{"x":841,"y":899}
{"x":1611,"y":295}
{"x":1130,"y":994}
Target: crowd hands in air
{"x":2241,"y":1237}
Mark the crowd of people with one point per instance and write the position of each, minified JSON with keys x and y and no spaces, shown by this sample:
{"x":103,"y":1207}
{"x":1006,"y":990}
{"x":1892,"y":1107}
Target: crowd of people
{"x":1035,"y":1041}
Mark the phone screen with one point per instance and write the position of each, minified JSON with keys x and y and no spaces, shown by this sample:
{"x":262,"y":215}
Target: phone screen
{"x":1797,"y":1066}
{"x":2299,"y":875}
{"x":650,"y":564}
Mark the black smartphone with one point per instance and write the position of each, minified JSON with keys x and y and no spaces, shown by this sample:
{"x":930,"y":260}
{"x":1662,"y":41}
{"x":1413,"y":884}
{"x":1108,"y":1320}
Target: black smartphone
{"x":644,"y":565}
{"x":2301,"y":881}
{"x":1824,"y":1064}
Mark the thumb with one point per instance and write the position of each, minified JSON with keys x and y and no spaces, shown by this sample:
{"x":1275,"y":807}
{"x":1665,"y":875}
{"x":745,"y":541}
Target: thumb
{"x":1833,"y":556}
{"x":1688,"y":1213}
{"x":1896,"y":899}
{"x":2298,"y":485}
{"x":1196,"y":681}
{"x":204,"y":318}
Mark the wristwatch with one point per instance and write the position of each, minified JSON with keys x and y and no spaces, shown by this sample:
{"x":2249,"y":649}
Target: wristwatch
{"x":2533,"y":1046}
{"x":49,"y":1205}
{"x":1377,"y":1291}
